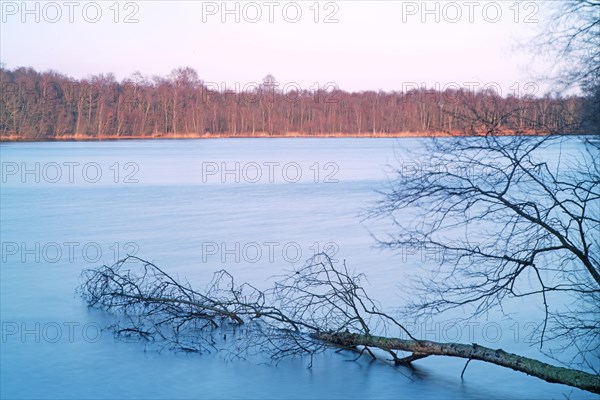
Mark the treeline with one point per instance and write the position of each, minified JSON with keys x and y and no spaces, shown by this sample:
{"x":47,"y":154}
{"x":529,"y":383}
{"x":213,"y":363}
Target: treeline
{"x":48,"y":105}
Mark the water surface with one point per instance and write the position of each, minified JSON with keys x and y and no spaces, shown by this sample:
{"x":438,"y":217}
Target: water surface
{"x":163,"y":201}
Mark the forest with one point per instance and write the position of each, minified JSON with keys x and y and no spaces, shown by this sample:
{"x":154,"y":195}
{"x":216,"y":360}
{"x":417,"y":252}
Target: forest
{"x":51,"y":106}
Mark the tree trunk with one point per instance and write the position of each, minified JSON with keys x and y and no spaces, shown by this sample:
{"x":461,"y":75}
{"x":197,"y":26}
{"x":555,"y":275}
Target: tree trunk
{"x":423,"y":348}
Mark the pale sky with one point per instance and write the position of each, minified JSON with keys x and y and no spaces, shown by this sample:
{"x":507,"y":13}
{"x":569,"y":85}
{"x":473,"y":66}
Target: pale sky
{"x":367,"y":45}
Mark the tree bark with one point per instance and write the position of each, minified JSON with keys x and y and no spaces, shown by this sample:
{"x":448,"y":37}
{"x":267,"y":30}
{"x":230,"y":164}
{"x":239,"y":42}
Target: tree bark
{"x":547,"y":372}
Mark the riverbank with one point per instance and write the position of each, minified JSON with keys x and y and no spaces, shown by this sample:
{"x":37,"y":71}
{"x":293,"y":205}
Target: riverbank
{"x":70,"y":138}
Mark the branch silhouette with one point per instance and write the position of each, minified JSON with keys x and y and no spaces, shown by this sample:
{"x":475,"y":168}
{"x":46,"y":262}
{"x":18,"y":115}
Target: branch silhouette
{"x":313,"y":308}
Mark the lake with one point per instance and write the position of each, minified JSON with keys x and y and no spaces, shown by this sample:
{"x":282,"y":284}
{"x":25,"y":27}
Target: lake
{"x":257,"y":207}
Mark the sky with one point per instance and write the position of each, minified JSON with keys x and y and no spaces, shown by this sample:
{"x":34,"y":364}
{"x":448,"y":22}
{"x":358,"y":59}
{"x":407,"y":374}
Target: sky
{"x":353,"y":45}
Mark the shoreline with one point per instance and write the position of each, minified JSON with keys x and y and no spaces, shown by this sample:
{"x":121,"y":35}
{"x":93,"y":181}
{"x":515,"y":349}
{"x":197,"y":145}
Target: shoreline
{"x":261,"y":135}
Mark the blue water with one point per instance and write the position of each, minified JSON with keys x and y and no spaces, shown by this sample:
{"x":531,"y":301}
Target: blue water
{"x":80,"y":205}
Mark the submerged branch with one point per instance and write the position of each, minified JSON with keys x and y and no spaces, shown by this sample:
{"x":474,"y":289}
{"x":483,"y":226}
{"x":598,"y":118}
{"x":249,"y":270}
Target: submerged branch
{"x":309,"y":310}
{"x":529,"y":366}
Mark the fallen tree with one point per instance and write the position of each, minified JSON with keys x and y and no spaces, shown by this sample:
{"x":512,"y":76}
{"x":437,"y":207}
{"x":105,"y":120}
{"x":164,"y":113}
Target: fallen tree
{"x":312,"y":308}
{"x":424,"y":348}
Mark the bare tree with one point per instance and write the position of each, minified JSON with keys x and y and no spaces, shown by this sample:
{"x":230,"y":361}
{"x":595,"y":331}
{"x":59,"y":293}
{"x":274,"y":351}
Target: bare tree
{"x":501,"y":217}
{"x":51,"y":106}
{"x":571,"y":38}
{"x":309,"y":310}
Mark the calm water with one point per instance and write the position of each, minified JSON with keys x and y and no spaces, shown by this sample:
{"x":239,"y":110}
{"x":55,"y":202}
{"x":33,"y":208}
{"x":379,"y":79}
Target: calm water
{"x":256,"y":207}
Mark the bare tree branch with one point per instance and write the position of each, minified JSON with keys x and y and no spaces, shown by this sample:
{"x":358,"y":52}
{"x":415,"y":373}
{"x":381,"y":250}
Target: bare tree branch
{"x":505,"y":224}
{"x":308,"y":310}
